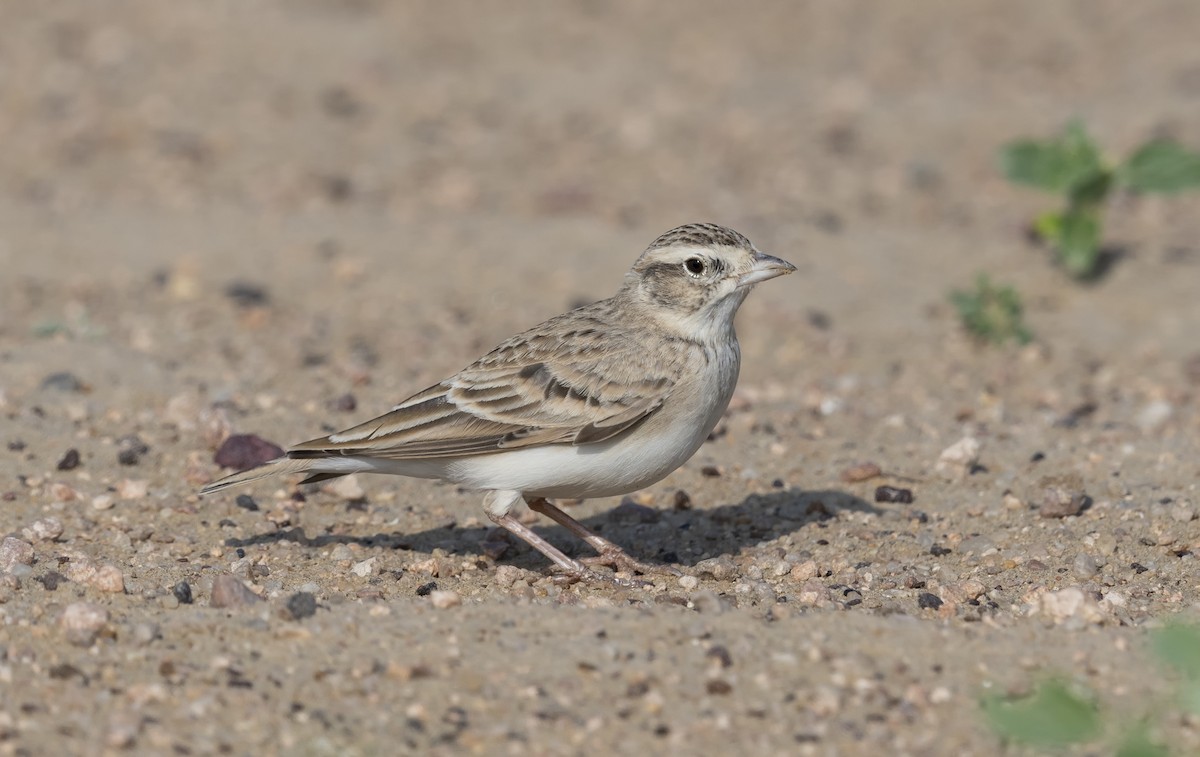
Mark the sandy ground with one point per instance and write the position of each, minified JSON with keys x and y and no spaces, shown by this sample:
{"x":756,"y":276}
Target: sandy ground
{"x":280,"y":218}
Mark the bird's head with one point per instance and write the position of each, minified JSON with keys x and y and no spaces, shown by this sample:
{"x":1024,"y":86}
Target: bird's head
{"x":695,"y":277}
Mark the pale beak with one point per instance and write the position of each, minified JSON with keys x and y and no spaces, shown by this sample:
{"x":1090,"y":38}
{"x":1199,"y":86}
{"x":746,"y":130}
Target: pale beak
{"x":765,"y":267}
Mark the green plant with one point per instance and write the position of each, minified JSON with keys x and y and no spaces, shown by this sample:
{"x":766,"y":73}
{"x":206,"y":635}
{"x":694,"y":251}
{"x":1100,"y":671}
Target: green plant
{"x":992,"y":313}
{"x":1056,"y":715}
{"x":1072,"y":166}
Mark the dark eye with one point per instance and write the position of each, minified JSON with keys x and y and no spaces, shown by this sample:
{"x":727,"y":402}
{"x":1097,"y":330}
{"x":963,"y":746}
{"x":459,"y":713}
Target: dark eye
{"x":694,"y":266}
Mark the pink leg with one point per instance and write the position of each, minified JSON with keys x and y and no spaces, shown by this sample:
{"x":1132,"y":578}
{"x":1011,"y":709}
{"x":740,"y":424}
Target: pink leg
{"x":610,"y":554}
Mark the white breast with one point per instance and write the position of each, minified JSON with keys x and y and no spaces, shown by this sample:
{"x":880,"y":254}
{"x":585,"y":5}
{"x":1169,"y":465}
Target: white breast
{"x":630,"y":462}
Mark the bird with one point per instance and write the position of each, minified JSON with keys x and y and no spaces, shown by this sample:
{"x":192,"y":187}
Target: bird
{"x":601,"y":401}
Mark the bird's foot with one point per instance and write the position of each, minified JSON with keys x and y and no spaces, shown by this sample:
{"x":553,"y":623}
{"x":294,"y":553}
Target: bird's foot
{"x":616,"y":558}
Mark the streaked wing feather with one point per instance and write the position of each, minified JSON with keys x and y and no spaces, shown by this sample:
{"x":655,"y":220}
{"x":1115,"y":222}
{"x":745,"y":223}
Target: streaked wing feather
{"x":525,"y":393}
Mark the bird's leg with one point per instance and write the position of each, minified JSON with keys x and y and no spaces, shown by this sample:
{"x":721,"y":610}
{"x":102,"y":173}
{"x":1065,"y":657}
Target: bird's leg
{"x":519,"y":529}
{"x":610,"y":554}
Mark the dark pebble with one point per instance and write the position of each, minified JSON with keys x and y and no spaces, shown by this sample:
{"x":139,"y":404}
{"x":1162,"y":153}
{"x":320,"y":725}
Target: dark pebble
{"x":51,"y":579}
{"x":16,"y":445}
{"x":1037,"y":457}
{"x":720,"y":654}
{"x":344,"y":404}
{"x":64,"y":671}
{"x":183,"y":592}
{"x":938,"y":550}
{"x":130,"y":449}
{"x":70,"y":460}
{"x":893,"y":494}
{"x":711,"y":471}
{"x":424,"y":589}
{"x":302,"y":605}
{"x":719,"y":687}
{"x":246,"y":502}
{"x":1138,"y":568}
{"x":63,"y":381}
{"x":244,"y":451}
{"x":681,"y":501}
{"x":247,"y":294}
{"x":927,"y":601}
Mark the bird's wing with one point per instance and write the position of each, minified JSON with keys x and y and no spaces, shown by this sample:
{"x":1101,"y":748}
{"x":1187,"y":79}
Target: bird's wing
{"x":580,"y":387}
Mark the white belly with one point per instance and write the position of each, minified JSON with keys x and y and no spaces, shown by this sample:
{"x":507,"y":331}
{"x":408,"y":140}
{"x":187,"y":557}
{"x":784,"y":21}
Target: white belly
{"x":630,"y":462}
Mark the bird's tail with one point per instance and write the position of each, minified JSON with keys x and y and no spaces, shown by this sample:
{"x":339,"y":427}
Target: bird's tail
{"x":278,"y":465}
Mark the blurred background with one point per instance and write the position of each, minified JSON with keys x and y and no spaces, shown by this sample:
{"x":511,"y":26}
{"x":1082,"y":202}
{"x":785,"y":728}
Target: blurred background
{"x":434,"y":140}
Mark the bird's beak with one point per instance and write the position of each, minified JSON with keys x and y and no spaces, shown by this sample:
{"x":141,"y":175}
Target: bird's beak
{"x":765,"y":267}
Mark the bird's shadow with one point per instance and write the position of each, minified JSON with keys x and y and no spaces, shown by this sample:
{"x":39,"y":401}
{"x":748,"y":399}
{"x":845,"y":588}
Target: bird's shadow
{"x":668,"y":536}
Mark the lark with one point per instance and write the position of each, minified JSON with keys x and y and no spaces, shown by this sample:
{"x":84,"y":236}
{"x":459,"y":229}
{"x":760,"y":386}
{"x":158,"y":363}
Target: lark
{"x":601,"y":401}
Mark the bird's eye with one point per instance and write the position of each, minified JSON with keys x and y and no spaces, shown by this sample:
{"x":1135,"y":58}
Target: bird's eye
{"x":694,"y":266}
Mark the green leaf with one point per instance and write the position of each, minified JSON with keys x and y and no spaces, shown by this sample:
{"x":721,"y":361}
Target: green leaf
{"x":1078,"y":243}
{"x":1162,"y":166}
{"x":1052,"y":716}
{"x":1137,"y":743}
{"x":1055,"y":165}
{"x":992,"y":313}
{"x":1189,"y":697}
{"x":1178,"y":646}
{"x":1048,"y":226}
{"x":1090,"y":190}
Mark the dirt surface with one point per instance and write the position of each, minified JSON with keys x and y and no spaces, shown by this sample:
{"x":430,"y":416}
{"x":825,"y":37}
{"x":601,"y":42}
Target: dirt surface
{"x":280,"y":218}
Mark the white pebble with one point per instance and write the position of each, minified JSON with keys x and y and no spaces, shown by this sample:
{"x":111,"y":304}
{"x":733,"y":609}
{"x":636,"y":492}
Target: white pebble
{"x":364,"y":568}
{"x":444,"y":599}
{"x":44,"y":529}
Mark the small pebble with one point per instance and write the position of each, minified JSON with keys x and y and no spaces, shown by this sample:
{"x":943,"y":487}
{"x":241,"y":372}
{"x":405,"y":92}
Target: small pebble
{"x":246,"y":502}
{"x":130,"y":449}
{"x":864,"y":471}
{"x":719,"y":655}
{"x":64,"y":381}
{"x":301,"y":605}
{"x":14,"y":552}
{"x":344,"y":404}
{"x":721,"y":568}
{"x":893,"y":494}
{"x":957,"y":460}
{"x":145,"y":633}
{"x":183,"y":592}
{"x":707,"y":603}
{"x":688,"y":582}
{"x":364,"y":568}
{"x":444,"y":599}
{"x":1183,"y":513}
{"x":132,"y":488}
{"x":1062,"y":496}
{"x":927,"y":601}
{"x":82,"y":622}
{"x":681,"y":501}
{"x":102,"y":502}
{"x":43,"y":529}
{"x":244,"y":451}
{"x":426,"y":589}
{"x":1085,"y":566}
{"x":109,"y":579}
{"x":228,"y":591}
{"x":711,"y":471}
{"x":70,"y":460}
{"x":247,"y":294}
